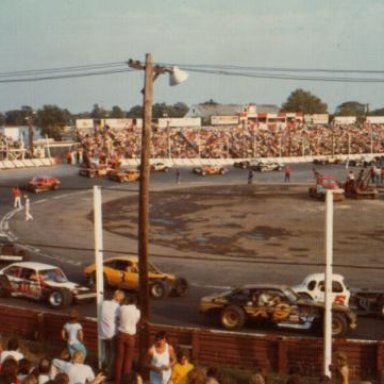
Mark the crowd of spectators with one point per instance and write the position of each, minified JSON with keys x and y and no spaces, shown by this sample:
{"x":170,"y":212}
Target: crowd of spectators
{"x":241,"y":141}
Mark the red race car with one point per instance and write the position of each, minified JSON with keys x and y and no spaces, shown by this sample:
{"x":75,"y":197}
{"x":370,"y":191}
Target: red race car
{"x":42,"y":183}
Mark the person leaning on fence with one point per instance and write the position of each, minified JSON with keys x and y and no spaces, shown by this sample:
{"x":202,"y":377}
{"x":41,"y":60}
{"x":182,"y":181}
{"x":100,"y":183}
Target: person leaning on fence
{"x":72,"y":333}
{"x":340,"y":368}
{"x":107,"y":331}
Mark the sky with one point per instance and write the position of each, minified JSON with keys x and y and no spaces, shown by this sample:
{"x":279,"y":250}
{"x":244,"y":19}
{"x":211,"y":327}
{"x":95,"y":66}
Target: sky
{"x":293,"y":34}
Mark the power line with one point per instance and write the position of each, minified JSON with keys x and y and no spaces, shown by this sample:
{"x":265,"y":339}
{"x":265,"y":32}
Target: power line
{"x":275,"y":73}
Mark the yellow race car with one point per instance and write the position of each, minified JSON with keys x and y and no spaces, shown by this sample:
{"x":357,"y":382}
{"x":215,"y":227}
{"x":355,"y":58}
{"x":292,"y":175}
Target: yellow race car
{"x":123,"y":272}
{"x":124,"y":175}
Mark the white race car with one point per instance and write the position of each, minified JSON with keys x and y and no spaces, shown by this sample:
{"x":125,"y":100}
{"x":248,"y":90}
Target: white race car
{"x":42,"y":282}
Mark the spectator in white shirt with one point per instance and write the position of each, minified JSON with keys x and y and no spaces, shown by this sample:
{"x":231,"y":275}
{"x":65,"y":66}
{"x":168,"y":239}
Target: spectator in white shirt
{"x":107,"y":331}
{"x":128,"y":318}
{"x":11,"y":351}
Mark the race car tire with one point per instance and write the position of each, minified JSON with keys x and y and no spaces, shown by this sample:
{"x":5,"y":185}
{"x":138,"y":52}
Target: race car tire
{"x":203,"y":173}
{"x":60,"y":298}
{"x":222,"y":171}
{"x":232,"y":317}
{"x":158,"y":290}
{"x":180,"y":287}
{"x":339,"y":325}
{"x":4,"y":282}
{"x":55,"y":187}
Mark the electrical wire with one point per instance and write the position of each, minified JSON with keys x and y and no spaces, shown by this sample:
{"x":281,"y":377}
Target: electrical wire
{"x":274,"y":73}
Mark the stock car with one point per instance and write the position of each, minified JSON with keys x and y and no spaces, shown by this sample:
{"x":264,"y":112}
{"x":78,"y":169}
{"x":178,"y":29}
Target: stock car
{"x":159,"y":167}
{"x":266,"y":166}
{"x":278,"y":305}
{"x":42,"y":183}
{"x":124,"y":175}
{"x":11,"y":252}
{"x":123,"y":272}
{"x":210,"y":170}
{"x":41,"y":282}
{"x":94,"y":170}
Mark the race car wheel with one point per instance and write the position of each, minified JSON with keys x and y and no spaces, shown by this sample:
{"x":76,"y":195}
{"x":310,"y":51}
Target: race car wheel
{"x":222,"y":171}
{"x":232,"y":317}
{"x":180,"y":288}
{"x":339,"y":325}
{"x":166,"y":169}
{"x":158,"y":290}
{"x":60,"y":298}
{"x":203,"y":173}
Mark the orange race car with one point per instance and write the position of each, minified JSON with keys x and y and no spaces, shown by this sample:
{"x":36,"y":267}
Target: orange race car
{"x":42,"y":183}
{"x":210,"y":170}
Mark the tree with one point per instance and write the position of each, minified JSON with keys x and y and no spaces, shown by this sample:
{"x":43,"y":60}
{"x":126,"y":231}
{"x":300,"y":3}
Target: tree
{"x":304,"y":102}
{"x":98,"y":112}
{"x":2,"y":119}
{"x":135,"y":112}
{"x":377,"y":112}
{"x":210,"y":102}
{"x":178,"y":110}
{"x":18,"y":117}
{"x":117,"y":113}
{"x":52,"y":120}
{"x":351,"y":108}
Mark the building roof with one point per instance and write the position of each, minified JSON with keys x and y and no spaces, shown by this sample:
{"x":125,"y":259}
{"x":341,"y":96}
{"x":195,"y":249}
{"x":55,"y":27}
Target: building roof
{"x":208,"y":110}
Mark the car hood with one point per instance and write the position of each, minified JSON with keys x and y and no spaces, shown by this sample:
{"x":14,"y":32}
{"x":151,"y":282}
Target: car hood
{"x":69,"y":285}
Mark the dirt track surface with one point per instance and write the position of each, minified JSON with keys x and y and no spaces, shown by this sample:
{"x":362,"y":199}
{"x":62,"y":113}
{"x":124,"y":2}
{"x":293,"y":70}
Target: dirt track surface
{"x":259,"y":222}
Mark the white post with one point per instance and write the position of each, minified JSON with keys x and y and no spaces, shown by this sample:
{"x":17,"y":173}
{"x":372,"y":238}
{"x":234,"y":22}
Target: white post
{"x":48,"y":149}
{"x":98,"y":230}
{"x":328,"y":283}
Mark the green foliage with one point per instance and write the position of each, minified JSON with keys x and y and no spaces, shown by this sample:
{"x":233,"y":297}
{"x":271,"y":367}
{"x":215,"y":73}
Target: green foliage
{"x":117,"y":113}
{"x":351,"y":108}
{"x":135,"y":112}
{"x":304,"y":102}
{"x":377,"y":112}
{"x":160,"y":110}
{"x":98,"y":112}
{"x":210,"y":102}
{"x":18,"y":117}
{"x":2,"y":119}
{"x":52,"y":120}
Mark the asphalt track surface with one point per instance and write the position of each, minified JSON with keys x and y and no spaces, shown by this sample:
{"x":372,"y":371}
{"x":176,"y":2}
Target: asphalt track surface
{"x":198,"y":229}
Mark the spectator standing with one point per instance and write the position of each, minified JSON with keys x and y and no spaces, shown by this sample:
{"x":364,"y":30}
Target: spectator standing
{"x":107,"y":331}
{"x":128,"y":318}
{"x":16,"y":193}
{"x":287,"y":174}
{"x":340,"y":368}
{"x":27,"y":207}
{"x":72,"y":333}
{"x":181,"y":368}
{"x":11,"y":351}
{"x":161,"y":358}
{"x":250,"y":176}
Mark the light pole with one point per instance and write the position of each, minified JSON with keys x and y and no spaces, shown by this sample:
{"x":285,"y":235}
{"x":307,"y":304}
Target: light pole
{"x":176,"y":77}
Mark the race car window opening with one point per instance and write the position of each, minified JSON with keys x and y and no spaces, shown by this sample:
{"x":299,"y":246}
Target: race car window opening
{"x":311,"y":285}
{"x":55,"y":275}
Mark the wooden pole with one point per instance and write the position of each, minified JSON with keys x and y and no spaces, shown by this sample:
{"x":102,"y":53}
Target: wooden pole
{"x":143,"y":234}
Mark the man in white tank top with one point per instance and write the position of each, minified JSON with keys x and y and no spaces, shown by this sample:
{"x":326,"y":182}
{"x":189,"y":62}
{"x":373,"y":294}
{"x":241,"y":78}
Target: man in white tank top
{"x":160,"y":359}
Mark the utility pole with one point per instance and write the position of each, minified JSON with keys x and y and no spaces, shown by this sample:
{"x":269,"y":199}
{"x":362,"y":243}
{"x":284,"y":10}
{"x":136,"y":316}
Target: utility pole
{"x":30,"y":137}
{"x":144,"y":202}
{"x":151,"y":74}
